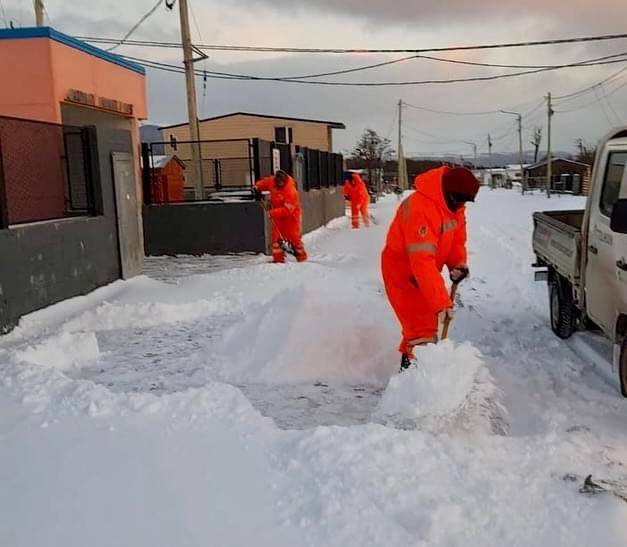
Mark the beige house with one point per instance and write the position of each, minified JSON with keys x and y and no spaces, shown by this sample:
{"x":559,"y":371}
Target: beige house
{"x":316,"y":134}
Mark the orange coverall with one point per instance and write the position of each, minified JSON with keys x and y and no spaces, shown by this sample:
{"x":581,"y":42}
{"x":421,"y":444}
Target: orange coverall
{"x":423,"y":237}
{"x":285,"y":217}
{"x":356,"y":191}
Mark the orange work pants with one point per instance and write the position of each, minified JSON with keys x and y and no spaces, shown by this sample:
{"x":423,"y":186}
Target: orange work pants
{"x":359,"y":208}
{"x":289,"y":231}
{"x":419,"y":324}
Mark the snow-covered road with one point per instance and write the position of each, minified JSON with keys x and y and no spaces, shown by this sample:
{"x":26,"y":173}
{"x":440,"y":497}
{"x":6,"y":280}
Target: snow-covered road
{"x":227,"y":401}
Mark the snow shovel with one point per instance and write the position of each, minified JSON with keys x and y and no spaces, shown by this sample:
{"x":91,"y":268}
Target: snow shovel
{"x":283,"y":243}
{"x":447,"y":321}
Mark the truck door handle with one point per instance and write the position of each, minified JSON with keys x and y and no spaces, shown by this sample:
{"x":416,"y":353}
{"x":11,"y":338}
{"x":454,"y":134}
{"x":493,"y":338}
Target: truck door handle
{"x":622,"y":265}
{"x":593,"y":250}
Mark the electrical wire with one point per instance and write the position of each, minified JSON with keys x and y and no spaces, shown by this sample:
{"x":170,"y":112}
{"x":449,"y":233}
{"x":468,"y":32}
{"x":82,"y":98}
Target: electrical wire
{"x":590,"y":87}
{"x":268,"y":49}
{"x":609,"y":104}
{"x":602,"y":107}
{"x":136,"y":26}
{"x":584,"y":106}
{"x":248,"y":77}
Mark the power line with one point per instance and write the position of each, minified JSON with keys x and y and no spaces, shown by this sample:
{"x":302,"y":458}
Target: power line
{"x":493,"y":65}
{"x":609,"y":104}
{"x":136,"y":26}
{"x":247,"y":77}
{"x":591,"y":87}
{"x":602,"y":106}
{"x":584,"y":106}
{"x":268,"y":49}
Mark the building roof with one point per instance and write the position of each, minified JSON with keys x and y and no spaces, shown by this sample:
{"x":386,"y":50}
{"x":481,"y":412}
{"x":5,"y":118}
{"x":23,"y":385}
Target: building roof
{"x":159,"y":162}
{"x":52,"y":34}
{"x":333,"y":125}
{"x":553,"y":160}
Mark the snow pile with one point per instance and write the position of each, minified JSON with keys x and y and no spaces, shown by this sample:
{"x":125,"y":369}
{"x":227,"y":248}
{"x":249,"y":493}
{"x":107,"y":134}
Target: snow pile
{"x":450,"y":386}
{"x":308,"y":334}
{"x":63,"y":351}
{"x":110,"y":316}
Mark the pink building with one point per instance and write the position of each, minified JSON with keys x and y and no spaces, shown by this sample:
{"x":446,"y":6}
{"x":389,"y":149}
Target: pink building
{"x":49,"y":76}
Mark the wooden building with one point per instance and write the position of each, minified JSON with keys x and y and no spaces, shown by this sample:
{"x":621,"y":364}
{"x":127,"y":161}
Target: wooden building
{"x":315,"y":134}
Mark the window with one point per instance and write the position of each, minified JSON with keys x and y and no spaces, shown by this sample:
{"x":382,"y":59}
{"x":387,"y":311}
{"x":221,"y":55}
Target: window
{"x":283,"y":135}
{"x":613,"y":178}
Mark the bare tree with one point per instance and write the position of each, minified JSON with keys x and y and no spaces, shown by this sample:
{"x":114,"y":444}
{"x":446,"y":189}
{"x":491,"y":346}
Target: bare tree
{"x":537,"y":139}
{"x":585,"y":152}
{"x":373,"y":150}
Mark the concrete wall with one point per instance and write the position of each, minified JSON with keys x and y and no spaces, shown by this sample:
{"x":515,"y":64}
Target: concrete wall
{"x":321,"y":206}
{"x":205,"y":228}
{"x":46,"y":262}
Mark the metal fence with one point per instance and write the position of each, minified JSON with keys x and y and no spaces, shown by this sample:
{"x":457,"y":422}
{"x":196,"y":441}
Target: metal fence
{"x":566,"y":183}
{"x":321,"y":169}
{"x":231,"y":167}
{"x":226,"y":166}
{"x":45,"y":171}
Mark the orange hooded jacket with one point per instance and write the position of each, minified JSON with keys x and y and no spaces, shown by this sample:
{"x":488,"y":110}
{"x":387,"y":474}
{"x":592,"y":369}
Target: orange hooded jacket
{"x":284,"y":201}
{"x":424,"y":237}
{"x":357,"y":193}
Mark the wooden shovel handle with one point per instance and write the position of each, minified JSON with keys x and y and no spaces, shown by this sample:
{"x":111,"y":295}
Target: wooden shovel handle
{"x":447,"y":320}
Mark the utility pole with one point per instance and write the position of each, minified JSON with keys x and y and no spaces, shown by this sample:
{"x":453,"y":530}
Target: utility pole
{"x":523,"y":182}
{"x":490,"y":159}
{"x":39,"y":13}
{"x":520,"y":147}
{"x":402,"y":165}
{"x":474,"y":149}
{"x":549,"y":162}
{"x":192,"y":107}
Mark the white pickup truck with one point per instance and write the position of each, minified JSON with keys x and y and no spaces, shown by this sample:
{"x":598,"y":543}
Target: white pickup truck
{"x":584,"y":255}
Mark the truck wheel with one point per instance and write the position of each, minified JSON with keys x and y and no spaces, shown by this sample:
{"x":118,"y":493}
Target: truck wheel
{"x":622,"y":368}
{"x":563,"y":311}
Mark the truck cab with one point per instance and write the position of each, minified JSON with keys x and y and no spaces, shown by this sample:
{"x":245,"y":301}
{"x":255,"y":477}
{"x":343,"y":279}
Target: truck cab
{"x":605,"y":274}
{"x":585,"y":255}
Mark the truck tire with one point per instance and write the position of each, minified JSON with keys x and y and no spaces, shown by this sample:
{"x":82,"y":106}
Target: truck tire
{"x":563,"y":310}
{"x":622,"y":368}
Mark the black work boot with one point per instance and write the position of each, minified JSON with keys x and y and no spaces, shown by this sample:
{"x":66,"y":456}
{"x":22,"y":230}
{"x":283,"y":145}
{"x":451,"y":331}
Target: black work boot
{"x":405,"y":362}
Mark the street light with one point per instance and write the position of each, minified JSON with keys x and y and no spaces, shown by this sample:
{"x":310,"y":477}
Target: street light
{"x":520,"y":146}
{"x":474,"y":149}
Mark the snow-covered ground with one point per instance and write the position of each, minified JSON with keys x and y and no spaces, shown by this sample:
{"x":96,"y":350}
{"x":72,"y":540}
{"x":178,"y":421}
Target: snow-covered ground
{"x":227,"y":401}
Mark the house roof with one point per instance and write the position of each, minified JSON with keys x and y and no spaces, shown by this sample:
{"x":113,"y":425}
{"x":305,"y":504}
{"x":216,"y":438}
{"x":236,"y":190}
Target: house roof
{"x":333,"y":125}
{"x":553,"y":160}
{"x":159,"y":162}
{"x":55,"y":35}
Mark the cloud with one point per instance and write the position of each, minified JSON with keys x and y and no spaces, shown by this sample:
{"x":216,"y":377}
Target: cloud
{"x":421,"y":13}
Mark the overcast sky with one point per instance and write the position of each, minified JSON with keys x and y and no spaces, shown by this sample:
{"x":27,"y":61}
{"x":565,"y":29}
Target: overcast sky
{"x":377,"y":24}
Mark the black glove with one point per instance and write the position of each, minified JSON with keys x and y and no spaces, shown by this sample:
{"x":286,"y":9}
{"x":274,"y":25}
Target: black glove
{"x":459,"y":273}
{"x":257,"y":194}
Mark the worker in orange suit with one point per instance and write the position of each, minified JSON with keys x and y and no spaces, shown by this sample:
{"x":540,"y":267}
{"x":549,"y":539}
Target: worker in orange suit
{"x":428,"y":232}
{"x":356,"y":192}
{"x":285,"y":215}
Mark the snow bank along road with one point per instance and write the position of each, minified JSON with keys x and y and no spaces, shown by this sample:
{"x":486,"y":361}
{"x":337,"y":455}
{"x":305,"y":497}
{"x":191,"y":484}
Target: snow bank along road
{"x":250,"y":406}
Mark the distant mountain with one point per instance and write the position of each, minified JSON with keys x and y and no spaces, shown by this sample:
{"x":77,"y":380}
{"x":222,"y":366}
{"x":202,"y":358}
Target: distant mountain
{"x":499,"y":159}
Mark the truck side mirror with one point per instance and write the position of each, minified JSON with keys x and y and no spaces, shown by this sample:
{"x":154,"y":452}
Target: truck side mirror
{"x":618,"y":222}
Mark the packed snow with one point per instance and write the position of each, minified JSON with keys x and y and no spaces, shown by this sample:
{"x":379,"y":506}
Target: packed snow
{"x":228,"y":401}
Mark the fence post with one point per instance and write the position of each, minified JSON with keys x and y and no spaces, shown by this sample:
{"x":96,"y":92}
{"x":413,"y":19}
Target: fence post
{"x":251,"y":166}
{"x":218,"y":174}
{"x":256,"y":160}
{"x":4,"y":212}
{"x":146,"y":173}
{"x":91,"y":165}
